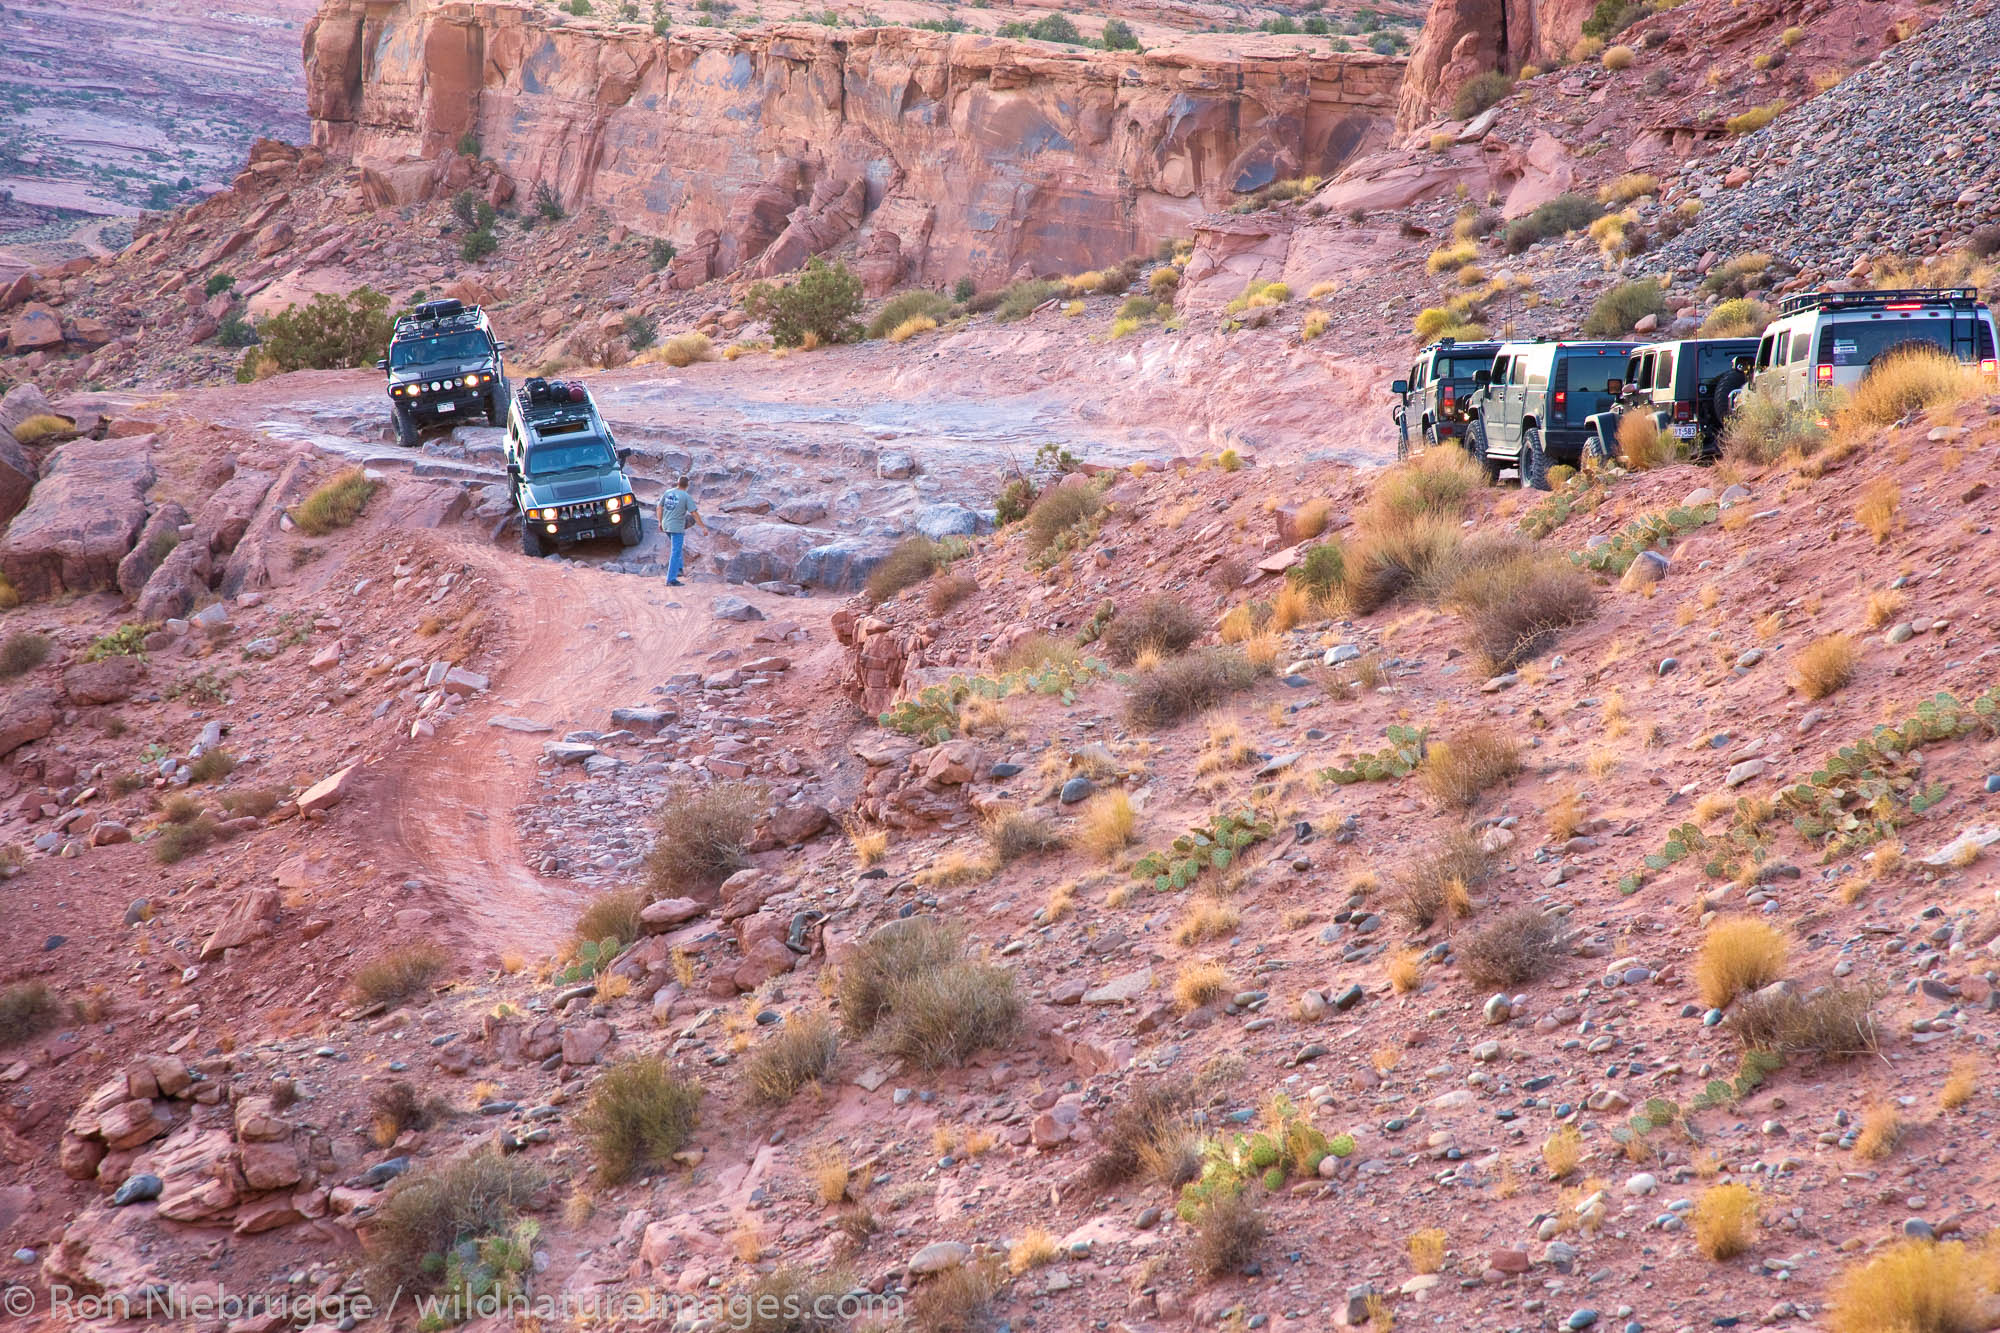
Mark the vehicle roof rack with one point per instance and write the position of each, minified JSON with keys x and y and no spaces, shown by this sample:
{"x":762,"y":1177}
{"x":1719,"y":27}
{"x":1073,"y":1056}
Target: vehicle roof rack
{"x":547,"y":403}
{"x":437,"y":317}
{"x":1956,"y":297}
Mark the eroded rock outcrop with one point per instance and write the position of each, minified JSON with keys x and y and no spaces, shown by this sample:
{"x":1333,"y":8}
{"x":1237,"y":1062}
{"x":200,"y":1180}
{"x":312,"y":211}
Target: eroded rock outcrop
{"x":980,"y":155}
{"x":82,"y":518}
{"x":1461,"y":38}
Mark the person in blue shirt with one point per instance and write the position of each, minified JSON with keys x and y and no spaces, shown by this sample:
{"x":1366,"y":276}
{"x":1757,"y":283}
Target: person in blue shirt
{"x":674,"y":511}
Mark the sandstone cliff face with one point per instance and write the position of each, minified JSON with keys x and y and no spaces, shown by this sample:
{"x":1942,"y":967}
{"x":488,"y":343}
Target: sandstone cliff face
{"x":1461,"y":38}
{"x":979,"y":156}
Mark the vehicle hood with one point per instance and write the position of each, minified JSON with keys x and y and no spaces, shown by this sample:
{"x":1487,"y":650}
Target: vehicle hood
{"x":573,"y":488}
{"x":441,"y":369}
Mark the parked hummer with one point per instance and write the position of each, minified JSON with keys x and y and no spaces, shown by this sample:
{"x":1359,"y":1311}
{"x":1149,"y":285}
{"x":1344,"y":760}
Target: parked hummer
{"x":1532,"y":405}
{"x":1822,"y":341}
{"x":1673,"y":382}
{"x":565,"y":473}
{"x":1436,"y":397}
{"x":444,"y":366}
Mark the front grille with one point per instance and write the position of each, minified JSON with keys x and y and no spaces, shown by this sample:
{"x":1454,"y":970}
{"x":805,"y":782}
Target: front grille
{"x":591,"y":510}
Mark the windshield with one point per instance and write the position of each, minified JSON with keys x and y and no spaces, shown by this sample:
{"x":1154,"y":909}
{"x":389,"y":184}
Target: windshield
{"x":1587,"y":377}
{"x":439,"y":347}
{"x":569,"y":456}
{"x":1857,"y":342}
{"x":1464,"y":367}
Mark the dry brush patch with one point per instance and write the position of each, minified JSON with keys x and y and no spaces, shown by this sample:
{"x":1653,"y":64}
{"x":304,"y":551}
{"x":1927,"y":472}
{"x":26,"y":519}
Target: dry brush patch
{"x":1164,"y":623}
{"x":701,"y":832}
{"x":1516,"y":947}
{"x":396,"y":974}
{"x":438,"y":1205}
{"x":1457,"y":772}
{"x":1725,"y":1220}
{"x":1432,"y":886}
{"x":1914,"y":1286}
{"x":799,"y":1053}
{"x":640,"y":1113}
{"x":913,"y":986}
{"x":1180,"y":687}
{"x":1738,"y":955}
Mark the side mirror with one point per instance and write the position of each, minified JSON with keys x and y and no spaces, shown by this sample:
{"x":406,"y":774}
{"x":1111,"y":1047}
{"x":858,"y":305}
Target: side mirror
{"x":381,"y":363}
{"x":624,"y":457}
{"x":513,"y":469}
{"x":1399,"y":386}
{"x":1482,"y":377}
{"x":499,"y":347}
{"x":1614,"y":387}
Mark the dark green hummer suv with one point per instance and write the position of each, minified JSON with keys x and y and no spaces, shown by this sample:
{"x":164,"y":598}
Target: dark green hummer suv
{"x":565,"y":473}
{"x":1534,"y":406}
{"x":444,"y":367}
{"x":1434,"y":402}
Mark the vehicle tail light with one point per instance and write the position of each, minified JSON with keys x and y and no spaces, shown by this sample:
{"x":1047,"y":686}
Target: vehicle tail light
{"x":1449,"y":397}
{"x":1904,"y":305}
{"x":1823,"y":375}
{"x":1989,"y":366}
{"x":1562,"y":399}
{"x":1683,"y":411}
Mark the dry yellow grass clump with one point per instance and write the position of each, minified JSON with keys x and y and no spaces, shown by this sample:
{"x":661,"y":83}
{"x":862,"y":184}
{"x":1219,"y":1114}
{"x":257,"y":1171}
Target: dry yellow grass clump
{"x":1107,"y":824}
{"x":1562,"y":1151}
{"x":1405,"y":970}
{"x":1959,"y":1086}
{"x":1032,"y":1249}
{"x":1895,"y":386}
{"x":1427,"y":1249}
{"x":1881,"y":1127}
{"x":1914,"y":1286}
{"x":1740,"y":954}
{"x":1824,"y":665}
{"x":1641,"y":445}
{"x":1205,"y":919}
{"x":1876,"y":510}
{"x":1725,"y":1220}
{"x":1883,"y":607}
{"x":1199,"y":983}
{"x":1459,"y":771}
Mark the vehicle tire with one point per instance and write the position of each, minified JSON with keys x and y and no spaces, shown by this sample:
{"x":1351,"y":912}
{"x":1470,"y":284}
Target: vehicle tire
{"x":531,"y":541}
{"x":496,"y":404}
{"x":1534,"y":463}
{"x":407,"y":434}
{"x":1431,"y":437}
{"x":1599,"y":448}
{"x":634,"y":532}
{"x":1475,"y":444}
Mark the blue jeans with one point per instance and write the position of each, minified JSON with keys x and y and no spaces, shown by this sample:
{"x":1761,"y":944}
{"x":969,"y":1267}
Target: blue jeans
{"x":675,"y":541}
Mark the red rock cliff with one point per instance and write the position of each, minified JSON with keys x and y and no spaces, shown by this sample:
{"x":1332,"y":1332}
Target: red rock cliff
{"x":944,"y":154}
{"x":1462,"y":38}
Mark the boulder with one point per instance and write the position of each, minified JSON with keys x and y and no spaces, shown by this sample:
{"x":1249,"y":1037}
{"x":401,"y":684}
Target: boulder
{"x":17,"y":477}
{"x":938,"y":521}
{"x":82,"y":518}
{"x":156,"y":542}
{"x":842,"y":565}
{"x":172,"y":589}
{"x":225,"y":516}
{"x":249,"y":920}
{"x":769,"y":551}
{"x":27,"y":715}
{"x":107,"y":682}
{"x":796,"y":824}
{"x":36,"y":328}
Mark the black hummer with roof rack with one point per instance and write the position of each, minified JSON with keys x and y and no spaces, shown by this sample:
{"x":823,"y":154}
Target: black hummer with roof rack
{"x":564,"y":471}
{"x":443,"y":366}
{"x":1436,"y":399}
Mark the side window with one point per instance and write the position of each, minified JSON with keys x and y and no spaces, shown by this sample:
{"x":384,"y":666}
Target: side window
{"x":1764,"y":351}
{"x":1778,"y":357}
{"x":1800,"y":345}
{"x":1663,"y":372}
{"x":1538,"y":374}
{"x":1498,"y":375}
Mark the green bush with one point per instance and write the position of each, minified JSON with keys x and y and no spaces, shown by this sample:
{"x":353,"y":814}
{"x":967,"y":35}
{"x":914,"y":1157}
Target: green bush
{"x":1619,"y":309}
{"x":332,"y":333}
{"x":908,"y":305}
{"x":476,"y":245}
{"x":964,"y":290}
{"x":1563,"y":214}
{"x":435,"y":1209}
{"x":1059,"y":509}
{"x":1612,"y":17}
{"x":125,"y":641}
{"x":1048,"y":28}
{"x":218,"y":282}
{"x":1016,"y":498}
{"x":1479,"y":92}
{"x":1742,"y":317}
{"x":640,"y":1114}
{"x":820,"y":304}
{"x":1020,"y":299}
{"x":660,"y":254}
{"x":1118,"y":36}
{"x":468,"y":144}
{"x":547,"y":202}
{"x":236,"y":331}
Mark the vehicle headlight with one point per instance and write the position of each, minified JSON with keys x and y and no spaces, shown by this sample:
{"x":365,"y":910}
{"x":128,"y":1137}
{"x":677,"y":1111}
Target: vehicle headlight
{"x":552,"y":527}
{"x":614,"y":502}
{"x":471,"y":380}
{"x":616,"y":517}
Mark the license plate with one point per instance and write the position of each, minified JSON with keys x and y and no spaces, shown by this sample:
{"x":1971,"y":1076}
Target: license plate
{"x":586,"y":534}
{"x":447,"y":407}
{"x":1684,"y":432}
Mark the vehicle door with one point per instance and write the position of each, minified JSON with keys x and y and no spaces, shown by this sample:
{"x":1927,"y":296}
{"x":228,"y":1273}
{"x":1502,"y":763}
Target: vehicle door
{"x":1489,"y":398}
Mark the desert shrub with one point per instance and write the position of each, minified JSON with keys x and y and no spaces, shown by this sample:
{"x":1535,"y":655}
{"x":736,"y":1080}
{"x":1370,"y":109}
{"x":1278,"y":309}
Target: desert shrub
{"x":1387,"y":560}
{"x":41,"y":428}
{"x":1021,"y":299}
{"x":1738,"y":317}
{"x":437,"y":1208}
{"x":820,"y":304}
{"x":911,"y":327}
{"x":1180,"y":687}
{"x":1048,"y":28}
{"x":1514,"y":948}
{"x":906,"y":306}
{"x":1618,"y":57}
{"x":1431,"y":886}
{"x":255,"y":802}
{"x":1562,"y":1151}
{"x":1117,"y":35}
{"x":1766,"y":426}
{"x":1107,"y":823}
{"x":1479,"y":92}
{"x":1830,"y":1022}
{"x":1435,"y":482}
{"x":332,"y":333}
{"x":929,"y":1003}
{"x":1754,"y":119}
{"x":912,"y":560}
{"x":1632,"y":185}
{"x":1740,"y":954}
{"x":1824,"y":665}
{"x":1058,"y":510}
{"x":701,"y":830}
{"x":1736,"y":276}
{"x":610,"y":916}
{"x":1914,"y":1286}
{"x":22,"y":652}
{"x":125,"y":641}
{"x":798,"y":1053}
{"x":335,"y":504}
{"x":1320,"y":572}
{"x":1227,"y":1232}
{"x":1514,"y":599}
{"x":1451,"y":258}
{"x":683,"y":349}
{"x":218,"y":283}
{"x":786,"y":1299}
{"x":948,"y":590}
{"x":1725,"y":1220}
{"x":640,"y":331}
{"x":27,"y":1008}
{"x":1014,"y":834}
{"x":1163,"y":622}
{"x":212,"y":765}
{"x":1151,"y":1133}
{"x":1608,"y":18}
{"x":176,"y":842}
{"x":1560,"y":215}
{"x":396,"y":974}
{"x":639,"y":1115}
{"x":397,"y":1107}
{"x":955,"y":1300}
{"x":1617,"y":310}
{"x":660,"y":253}
{"x":1459,"y":771}
{"x":474,"y":246}
{"x":1909,"y":381}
